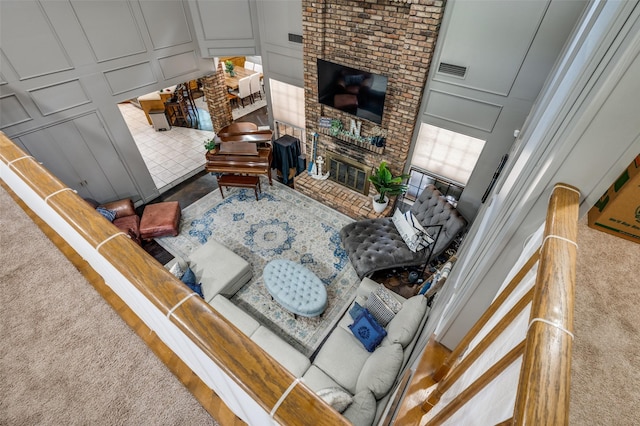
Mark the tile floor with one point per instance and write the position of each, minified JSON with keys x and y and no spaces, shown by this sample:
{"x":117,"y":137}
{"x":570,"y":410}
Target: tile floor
{"x":172,"y":156}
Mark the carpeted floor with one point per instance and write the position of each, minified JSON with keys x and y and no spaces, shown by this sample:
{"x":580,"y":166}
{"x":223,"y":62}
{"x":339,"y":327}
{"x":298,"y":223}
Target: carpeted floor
{"x":66,"y":356}
{"x":282,"y":224}
{"x":605,"y":388}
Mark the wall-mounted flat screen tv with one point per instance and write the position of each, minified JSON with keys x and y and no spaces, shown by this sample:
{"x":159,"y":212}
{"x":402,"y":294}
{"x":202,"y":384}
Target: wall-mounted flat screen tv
{"x":351,"y":90}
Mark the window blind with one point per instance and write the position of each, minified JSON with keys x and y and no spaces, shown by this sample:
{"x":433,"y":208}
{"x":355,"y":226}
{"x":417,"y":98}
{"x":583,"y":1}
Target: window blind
{"x":446,"y":153}
{"x":287,"y":103}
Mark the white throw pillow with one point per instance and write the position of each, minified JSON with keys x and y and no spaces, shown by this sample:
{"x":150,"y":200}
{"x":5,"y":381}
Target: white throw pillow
{"x":336,"y":397}
{"x":413,"y":234}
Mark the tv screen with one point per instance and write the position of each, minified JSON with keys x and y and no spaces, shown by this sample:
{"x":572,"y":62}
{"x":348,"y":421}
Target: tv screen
{"x":351,"y":90}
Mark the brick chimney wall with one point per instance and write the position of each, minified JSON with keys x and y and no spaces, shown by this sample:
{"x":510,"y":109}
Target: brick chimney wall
{"x":394,"y":38}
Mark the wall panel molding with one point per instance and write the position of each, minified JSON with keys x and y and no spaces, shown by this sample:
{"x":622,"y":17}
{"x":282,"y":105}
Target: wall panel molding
{"x":115,"y":19}
{"x":59,"y":97}
{"x":178,"y":64}
{"x":12,"y":111}
{"x":166,"y":22}
{"x":130,"y":77}
{"x":34,"y":48}
{"x":462,"y":110}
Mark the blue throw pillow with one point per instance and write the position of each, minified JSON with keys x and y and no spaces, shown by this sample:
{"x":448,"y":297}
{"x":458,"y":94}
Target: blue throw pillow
{"x":189,"y":278}
{"x":110,"y":215}
{"x":355,"y":310}
{"x":367,"y":330}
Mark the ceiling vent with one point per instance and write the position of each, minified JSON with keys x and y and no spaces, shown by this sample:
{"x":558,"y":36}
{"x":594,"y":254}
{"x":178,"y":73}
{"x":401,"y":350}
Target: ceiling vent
{"x":453,"y":70}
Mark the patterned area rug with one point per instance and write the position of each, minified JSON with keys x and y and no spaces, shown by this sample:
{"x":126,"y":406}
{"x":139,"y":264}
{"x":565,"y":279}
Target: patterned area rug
{"x":282,"y":224}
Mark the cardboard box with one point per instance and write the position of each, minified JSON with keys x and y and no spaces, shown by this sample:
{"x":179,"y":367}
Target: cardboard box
{"x":618,"y":211}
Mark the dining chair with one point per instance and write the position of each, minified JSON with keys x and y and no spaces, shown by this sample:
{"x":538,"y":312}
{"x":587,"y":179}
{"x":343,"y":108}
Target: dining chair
{"x":256,"y":86}
{"x":244,"y":90}
{"x":257,"y":68}
{"x":249,"y":65}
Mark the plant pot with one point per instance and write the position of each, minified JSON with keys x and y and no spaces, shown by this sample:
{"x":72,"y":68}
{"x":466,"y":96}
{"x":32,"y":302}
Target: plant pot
{"x":379,"y":207}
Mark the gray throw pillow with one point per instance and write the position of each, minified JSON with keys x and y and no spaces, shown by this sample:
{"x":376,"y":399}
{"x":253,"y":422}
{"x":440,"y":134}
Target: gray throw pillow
{"x":405,"y":324}
{"x":380,"y":371}
{"x":362,"y":410}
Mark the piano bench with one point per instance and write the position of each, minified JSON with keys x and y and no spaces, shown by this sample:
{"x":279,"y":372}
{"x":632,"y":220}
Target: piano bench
{"x":240,"y":181}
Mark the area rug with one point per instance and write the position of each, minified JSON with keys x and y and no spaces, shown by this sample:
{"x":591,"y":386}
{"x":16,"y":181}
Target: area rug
{"x":282,"y":224}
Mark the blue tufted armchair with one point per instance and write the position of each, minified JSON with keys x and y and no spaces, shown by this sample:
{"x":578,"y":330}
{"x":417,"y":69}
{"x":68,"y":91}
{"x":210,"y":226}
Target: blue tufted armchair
{"x":376,"y":244}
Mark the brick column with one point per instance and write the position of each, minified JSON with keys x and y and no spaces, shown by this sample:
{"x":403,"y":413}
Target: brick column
{"x":215,"y":91}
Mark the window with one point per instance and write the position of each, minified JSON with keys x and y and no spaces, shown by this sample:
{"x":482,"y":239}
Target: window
{"x":445,"y":153}
{"x":287,"y":103}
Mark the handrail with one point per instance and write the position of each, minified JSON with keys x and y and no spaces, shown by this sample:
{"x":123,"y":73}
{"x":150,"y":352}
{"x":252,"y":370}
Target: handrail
{"x":243,"y":361}
{"x":543,"y":389}
{"x":545,"y":378}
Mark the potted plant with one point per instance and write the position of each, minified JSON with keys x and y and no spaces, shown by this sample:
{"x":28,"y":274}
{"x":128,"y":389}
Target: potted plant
{"x":210,"y":144}
{"x":386,"y":184}
{"x":229,"y":66}
{"x":336,"y":126}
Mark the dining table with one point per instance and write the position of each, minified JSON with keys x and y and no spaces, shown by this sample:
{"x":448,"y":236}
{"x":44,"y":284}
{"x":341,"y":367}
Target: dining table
{"x":240,"y":72}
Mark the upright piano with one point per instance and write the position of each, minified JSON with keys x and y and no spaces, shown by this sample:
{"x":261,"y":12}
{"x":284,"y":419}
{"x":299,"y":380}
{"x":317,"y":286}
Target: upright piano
{"x":242,"y":153}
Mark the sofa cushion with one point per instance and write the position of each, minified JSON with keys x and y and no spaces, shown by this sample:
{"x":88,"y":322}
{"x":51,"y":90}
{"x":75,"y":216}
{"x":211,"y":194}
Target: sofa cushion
{"x":342,"y":357}
{"x":317,"y":379}
{"x":367,"y":330}
{"x":336,"y":397}
{"x":281,"y":351}
{"x":219,"y":270}
{"x":362,"y":410}
{"x":404,"y":325}
{"x":381,"y":369}
{"x":236,"y":316}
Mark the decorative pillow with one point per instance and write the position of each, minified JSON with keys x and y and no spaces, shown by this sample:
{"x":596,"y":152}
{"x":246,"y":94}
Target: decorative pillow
{"x":110,"y":215}
{"x":336,"y":397}
{"x":380,"y":370}
{"x":177,"y":270}
{"x":426,"y":238}
{"x":382,"y":305}
{"x":416,"y":239}
{"x":362,"y":410}
{"x":355,"y":310}
{"x":189,"y":278}
{"x":367,"y":330}
{"x":380,"y":311}
{"x":405,"y":324}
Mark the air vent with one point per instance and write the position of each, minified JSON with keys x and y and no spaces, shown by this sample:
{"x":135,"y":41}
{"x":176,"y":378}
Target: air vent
{"x":454,"y":70}
{"x":296,"y":38}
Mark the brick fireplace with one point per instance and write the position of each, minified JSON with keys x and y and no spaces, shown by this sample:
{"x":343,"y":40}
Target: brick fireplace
{"x":394,"y":38}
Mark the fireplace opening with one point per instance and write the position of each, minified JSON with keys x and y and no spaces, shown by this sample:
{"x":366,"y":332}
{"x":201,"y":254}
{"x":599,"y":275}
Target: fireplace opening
{"x":348,"y":172}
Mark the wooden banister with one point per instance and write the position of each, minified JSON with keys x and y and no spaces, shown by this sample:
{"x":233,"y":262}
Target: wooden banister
{"x":543,"y":390}
{"x":475,"y":353}
{"x":486,"y":316}
{"x":256,"y":372}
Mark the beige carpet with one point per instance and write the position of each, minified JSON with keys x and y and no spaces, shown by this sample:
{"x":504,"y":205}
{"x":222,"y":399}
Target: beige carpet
{"x":605,"y":387}
{"x":66,"y":357}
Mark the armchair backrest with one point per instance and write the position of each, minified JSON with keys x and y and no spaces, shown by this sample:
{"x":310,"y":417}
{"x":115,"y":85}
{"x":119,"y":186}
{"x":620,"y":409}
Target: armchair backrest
{"x":432,"y":208}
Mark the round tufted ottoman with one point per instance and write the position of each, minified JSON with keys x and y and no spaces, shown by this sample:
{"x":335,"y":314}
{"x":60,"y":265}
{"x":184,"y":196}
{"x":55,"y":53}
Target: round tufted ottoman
{"x":295,"y":288}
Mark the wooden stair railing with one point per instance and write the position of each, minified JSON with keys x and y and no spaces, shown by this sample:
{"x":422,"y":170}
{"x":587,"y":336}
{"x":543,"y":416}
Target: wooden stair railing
{"x":543,"y":389}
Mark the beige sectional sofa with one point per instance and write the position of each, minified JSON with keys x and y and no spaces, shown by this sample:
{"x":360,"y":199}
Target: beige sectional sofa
{"x":343,"y":367}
